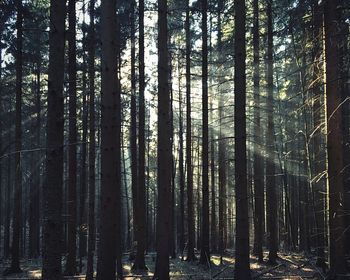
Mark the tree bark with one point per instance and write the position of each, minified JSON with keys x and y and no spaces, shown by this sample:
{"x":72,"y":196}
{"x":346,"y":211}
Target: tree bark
{"x":92,"y":144}
{"x":164,"y":148}
{"x":242,"y":269}
{"x":17,"y":202}
{"x":335,"y":162}
{"x":141,"y":185}
{"x":52,"y":191}
{"x":258,"y":162}
{"x":83,"y":158}
{"x":133,"y":132}
{"x":109,"y":246}
{"x":190,"y":214}
{"x":205,"y":249}
{"x":271,"y":192}
{"x":72,"y":142}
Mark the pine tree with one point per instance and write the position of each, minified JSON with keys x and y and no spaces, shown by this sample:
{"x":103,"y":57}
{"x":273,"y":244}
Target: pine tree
{"x":109,"y":246}
{"x":17,"y":205}
{"x":205,"y":249}
{"x":72,"y":141}
{"x":334,"y":141}
{"x":164,"y":148}
{"x":52,"y":191}
{"x":242,"y":270}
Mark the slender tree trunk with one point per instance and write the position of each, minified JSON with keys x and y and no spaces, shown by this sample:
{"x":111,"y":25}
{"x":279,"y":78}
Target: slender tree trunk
{"x":190,"y":215}
{"x":83,"y":171}
{"x":258,"y":162}
{"x":345,"y":88}
{"x":164,"y":148}
{"x":205,"y":249}
{"x":109,"y":246}
{"x":334,"y":140}
{"x":72,"y":142}
{"x":8,"y":198}
{"x":181,"y":229}
{"x":271,"y":192}
{"x":34,"y":195}
{"x":242,"y":270}
{"x":92,"y":144}
{"x":141,"y":193}
{"x":213,"y":223}
{"x":222,"y":144}
{"x":133,"y":133}
{"x":172,"y":247}
{"x":17,"y":207}
{"x":52,"y":191}
{"x":1,"y":144}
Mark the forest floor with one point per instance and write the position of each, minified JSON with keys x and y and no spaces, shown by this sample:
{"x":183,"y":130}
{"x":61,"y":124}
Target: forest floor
{"x":290,"y":266}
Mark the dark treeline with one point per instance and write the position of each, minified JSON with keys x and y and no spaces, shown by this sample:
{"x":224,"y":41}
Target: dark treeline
{"x":192,"y":129}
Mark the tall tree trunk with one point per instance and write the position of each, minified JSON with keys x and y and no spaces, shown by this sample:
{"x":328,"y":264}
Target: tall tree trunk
{"x":72,"y":142}
{"x":271,"y":192}
{"x":1,"y":143}
{"x":258,"y":162}
{"x":213,"y":223}
{"x":52,"y":191}
{"x":181,"y":224}
{"x":222,"y":144}
{"x":164,"y":147}
{"x":319,"y":185}
{"x":345,"y":88}
{"x":141,"y":186}
{"x":17,"y":207}
{"x":34,"y":197}
{"x":92,"y":144}
{"x":8,"y":196}
{"x":109,"y":247}
{"x":334,"y":140}
{"x":190,"y":214}
{"x":133,"y":133}
{"x":242,"y":270}
{"x":172,"y":247}
{"x":83,"y":167}
{"x":205,"y":249}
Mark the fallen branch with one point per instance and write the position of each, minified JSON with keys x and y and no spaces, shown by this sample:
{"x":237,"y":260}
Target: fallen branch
{"x":294,"y":263}
{"x":267,"y":270}
{"x":221,"y":271}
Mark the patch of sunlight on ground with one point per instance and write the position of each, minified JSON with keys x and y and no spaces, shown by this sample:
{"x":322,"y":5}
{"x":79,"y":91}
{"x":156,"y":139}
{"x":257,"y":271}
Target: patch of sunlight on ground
{"x":34,"y":274}
{"x":254,"y":265}
{"x":306,"y":269}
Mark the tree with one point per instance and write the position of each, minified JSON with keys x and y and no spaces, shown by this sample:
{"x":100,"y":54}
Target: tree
{"x":181,"y":223}
{"x":1,"y":132}
{"x":222,"y":142}
{"x":141,"y":184}
{"x":242,"y":270}
{"x":72,"y":141}
{"x":17,"y":211}
{"x":319,"y":185}
{"x":258,"y":172}
{"x":83,"y":158}
{"x":271,"y":192}
{"x":190,"y":215}
{"x":164,"y":148}
{"x":133,"y":124}
{"x":109,"y":246}
{"x":205,"y":249}
{"x":92,"y":144}
{"x":52,"y":191}
{"x":334,"y":141}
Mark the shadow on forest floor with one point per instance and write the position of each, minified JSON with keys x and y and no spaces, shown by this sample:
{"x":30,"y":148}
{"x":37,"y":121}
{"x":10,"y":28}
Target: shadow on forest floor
{"x":290,"y":266}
